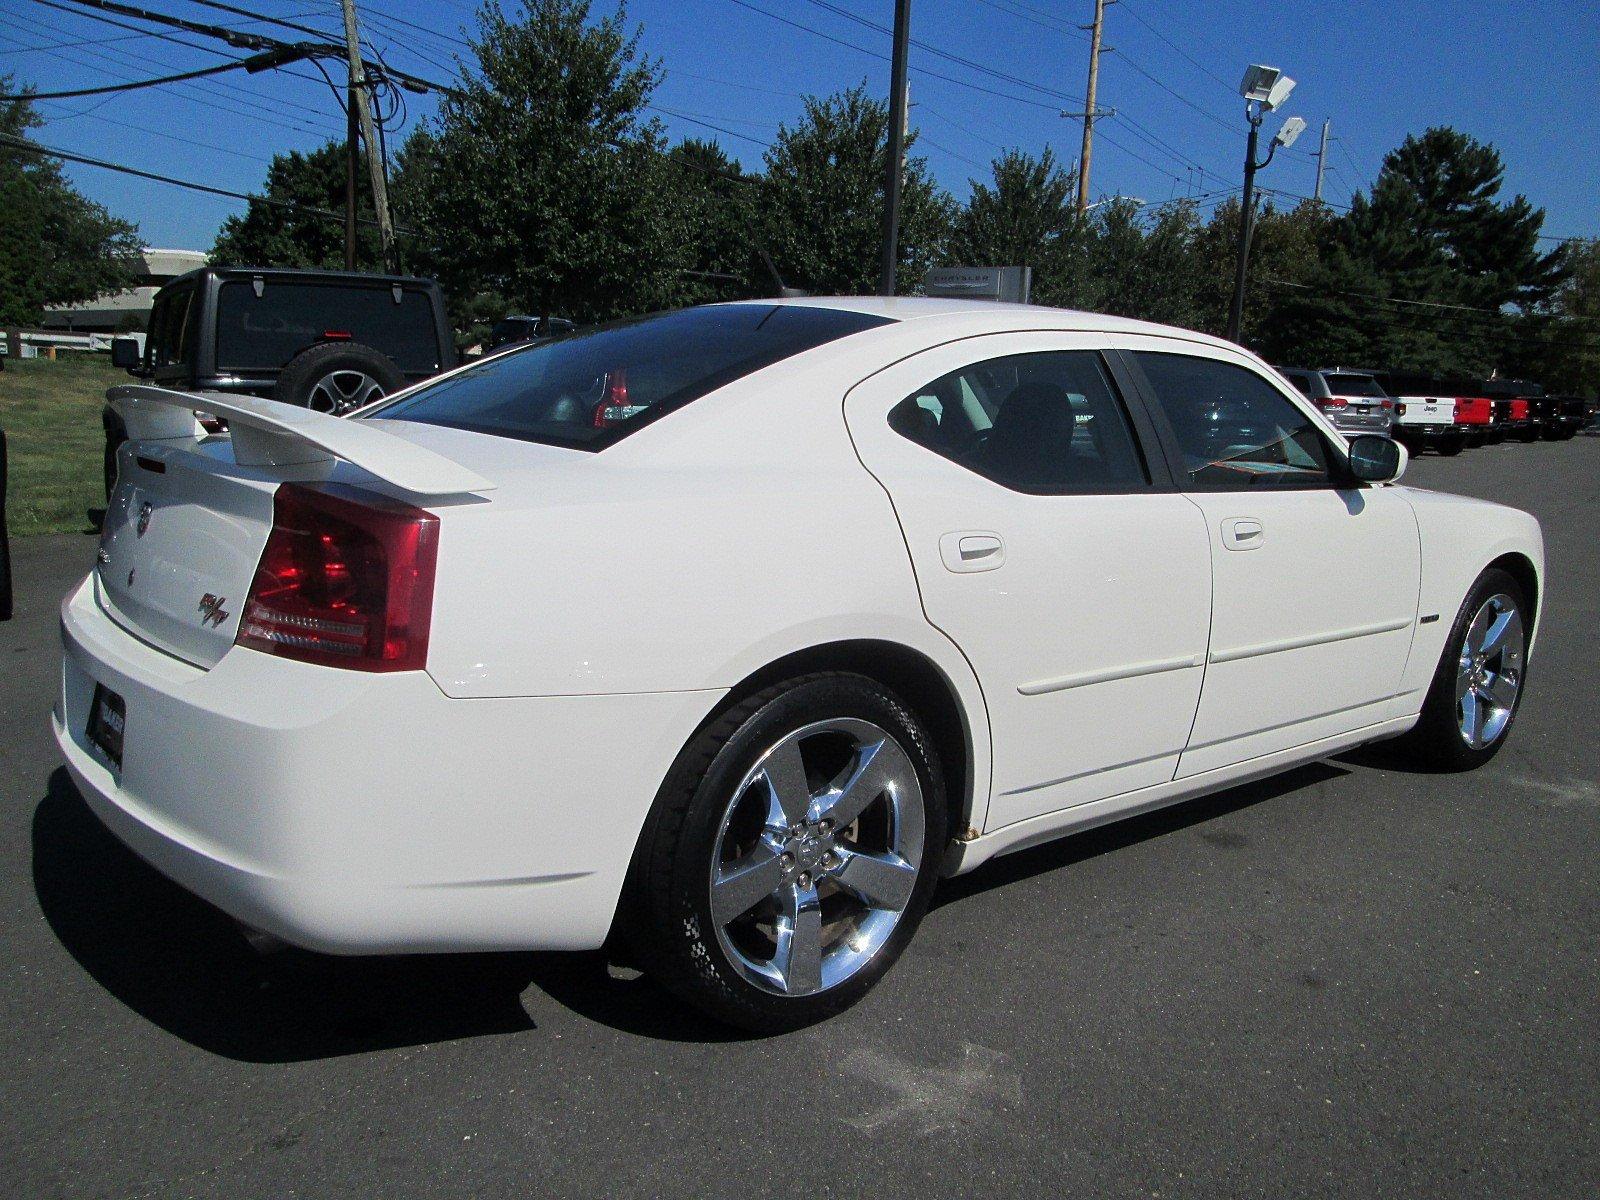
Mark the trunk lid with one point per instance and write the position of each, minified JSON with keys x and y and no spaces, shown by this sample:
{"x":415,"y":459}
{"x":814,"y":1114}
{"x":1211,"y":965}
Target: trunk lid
{"x":182,"y":536}
{"x":190,"y":514}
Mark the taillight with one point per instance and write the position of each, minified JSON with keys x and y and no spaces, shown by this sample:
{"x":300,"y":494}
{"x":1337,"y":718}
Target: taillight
{"x":615,"y":407}
{"x":346,"y":579}
{"x":1330,"y":402}
{"x":1399,"y":408}
{"x":1388,"y":404}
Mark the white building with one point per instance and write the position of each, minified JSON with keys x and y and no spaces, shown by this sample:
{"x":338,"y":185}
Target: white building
{"x":105,"y":313}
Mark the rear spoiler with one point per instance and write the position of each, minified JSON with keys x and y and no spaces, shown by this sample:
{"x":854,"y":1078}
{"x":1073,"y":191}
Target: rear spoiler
{"x":269,"y":433}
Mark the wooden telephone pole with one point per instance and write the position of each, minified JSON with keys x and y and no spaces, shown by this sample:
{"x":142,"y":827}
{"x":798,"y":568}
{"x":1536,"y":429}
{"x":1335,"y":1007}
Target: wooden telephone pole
{"x":359,"y":96}
{"x":1089,"y":111}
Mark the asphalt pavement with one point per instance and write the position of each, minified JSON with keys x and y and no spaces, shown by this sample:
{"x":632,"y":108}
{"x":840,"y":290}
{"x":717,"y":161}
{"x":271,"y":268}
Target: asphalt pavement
{"x":1351,"y":980}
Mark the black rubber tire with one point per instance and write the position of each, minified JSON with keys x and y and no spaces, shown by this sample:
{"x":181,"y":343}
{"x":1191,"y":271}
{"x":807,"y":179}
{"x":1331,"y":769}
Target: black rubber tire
{"x":667,"y":911}
{"x":304,"y":371}
{"x":1435,"y":741}
{"x":1451,"y":447}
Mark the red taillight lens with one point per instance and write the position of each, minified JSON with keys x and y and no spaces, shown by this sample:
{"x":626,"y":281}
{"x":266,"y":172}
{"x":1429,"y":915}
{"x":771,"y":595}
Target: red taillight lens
{"x":346,"y":579}
{"x":1330,"y":402}
{"x":615,"y":407}
{"x":1388,"y":404}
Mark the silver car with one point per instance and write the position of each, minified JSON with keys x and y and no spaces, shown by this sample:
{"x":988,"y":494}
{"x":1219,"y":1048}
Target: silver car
{"x":1353,"y":400}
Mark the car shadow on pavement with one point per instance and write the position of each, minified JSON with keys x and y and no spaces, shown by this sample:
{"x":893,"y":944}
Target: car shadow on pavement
{"x":185,"y":966}
{"x":1064,"y":852}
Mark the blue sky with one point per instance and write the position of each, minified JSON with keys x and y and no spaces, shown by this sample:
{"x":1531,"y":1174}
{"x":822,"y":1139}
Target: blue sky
{"x":1522,"y":77}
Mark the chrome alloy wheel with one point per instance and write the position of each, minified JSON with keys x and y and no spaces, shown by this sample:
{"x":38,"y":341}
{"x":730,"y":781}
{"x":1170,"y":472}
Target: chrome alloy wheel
{"x":340,"y":392}
{"x":1490,"y":671}
{"x":817,"y":856}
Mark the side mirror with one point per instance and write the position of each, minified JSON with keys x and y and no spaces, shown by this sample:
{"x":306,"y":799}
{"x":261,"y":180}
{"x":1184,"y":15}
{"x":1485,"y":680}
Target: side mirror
{"x":126,"y":353}
{"x":1375,"y":459}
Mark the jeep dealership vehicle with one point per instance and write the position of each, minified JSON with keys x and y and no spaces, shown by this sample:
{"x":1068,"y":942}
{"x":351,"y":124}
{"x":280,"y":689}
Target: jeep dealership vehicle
{"x":1354,"y":401}
{"x":1436,"y":413}
{"x":327,"y":340}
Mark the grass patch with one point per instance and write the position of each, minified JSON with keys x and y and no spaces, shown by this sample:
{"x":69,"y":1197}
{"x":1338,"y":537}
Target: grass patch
{"x":50,"y":412}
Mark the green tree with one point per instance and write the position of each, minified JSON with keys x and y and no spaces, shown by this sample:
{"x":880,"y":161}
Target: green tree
{"x":1559,"y":345}
{"x":1287,"y":249}
{"x":1430,"y":271}
{"x":822,"y":203}
{"x":541,"y":178}
{"x":269,"y":235}
{"x":715,"y":225}
{"x":1027,"y":217}
{"x":56,"y":246}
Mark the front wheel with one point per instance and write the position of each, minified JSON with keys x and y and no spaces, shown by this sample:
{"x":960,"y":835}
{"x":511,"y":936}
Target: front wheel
{"x":1479,"y":681}
{"x":791,"y":853}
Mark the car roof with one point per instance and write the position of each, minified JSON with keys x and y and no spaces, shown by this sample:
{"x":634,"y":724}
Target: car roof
{"x":990,"y":315}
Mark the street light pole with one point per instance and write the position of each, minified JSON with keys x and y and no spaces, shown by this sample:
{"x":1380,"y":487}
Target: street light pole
{"x":1247,"y":214}
{"x":897,"y":148}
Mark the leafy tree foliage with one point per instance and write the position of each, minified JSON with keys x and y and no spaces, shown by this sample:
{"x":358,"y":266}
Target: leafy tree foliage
{"x":1402,"y":273}
{"x":268,"y":235}
{"x":1028,"y":215}
{"x":715,"y":208}
{"x":542,"y":179}
{"x":56,"y":246}
{"x":822,"y":201}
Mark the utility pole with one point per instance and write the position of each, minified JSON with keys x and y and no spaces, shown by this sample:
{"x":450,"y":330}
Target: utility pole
{"x":361,"y":102}
{"x":1089,"y":112}
{"x":897,"y":148}
{"x":1322,"y":157}
{"x":352,"y":150}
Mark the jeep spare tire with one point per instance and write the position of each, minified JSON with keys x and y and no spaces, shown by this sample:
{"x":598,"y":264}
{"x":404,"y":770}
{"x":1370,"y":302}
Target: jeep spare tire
{"x":337,"y":378}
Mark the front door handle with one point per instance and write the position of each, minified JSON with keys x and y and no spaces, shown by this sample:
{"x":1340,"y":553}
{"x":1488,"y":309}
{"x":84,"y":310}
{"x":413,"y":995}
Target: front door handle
{"x":972,"y":550}
{"x":1242,"y":533}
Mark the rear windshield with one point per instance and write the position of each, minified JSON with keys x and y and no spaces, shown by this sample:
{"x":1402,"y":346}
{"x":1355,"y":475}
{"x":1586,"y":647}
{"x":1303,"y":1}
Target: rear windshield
{"x":1353,"y":385}
{"x":587,"y":390}
{"x":264,"y":332}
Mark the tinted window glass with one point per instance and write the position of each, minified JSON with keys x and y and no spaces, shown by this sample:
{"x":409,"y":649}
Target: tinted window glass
{"x":264,"y":332}
{"x":167,"y":342}
{"x":1354,"y":385}
{"x":1235,"y":429}
{"x":589,"y":389}
{"x":1045,"y":423}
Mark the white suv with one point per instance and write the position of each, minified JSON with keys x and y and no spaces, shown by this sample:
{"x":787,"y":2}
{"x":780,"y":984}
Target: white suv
{"x":1354,"y":401}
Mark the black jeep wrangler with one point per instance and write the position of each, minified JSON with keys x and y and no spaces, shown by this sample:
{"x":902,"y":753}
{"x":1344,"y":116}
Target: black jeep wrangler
{"x":329,"y":340}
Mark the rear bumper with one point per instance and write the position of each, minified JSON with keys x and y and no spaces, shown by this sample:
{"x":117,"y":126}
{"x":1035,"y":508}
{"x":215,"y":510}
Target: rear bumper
{"x":354,"y":813}
{"x":1383,"y":426}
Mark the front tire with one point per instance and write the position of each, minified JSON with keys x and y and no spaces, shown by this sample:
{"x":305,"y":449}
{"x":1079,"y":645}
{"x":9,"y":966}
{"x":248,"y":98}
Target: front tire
{"x":791,"y":853}
{"x":1479,"y":683}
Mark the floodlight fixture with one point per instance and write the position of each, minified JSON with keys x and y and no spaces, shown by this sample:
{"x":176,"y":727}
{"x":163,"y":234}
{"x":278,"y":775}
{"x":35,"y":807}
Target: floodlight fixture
{"x":1291,"y":129}
{"x":1266,"y":86}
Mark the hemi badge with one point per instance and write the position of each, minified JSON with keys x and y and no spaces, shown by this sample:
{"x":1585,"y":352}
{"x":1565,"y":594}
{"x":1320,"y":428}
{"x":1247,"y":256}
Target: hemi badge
{"x":1429,"y":620}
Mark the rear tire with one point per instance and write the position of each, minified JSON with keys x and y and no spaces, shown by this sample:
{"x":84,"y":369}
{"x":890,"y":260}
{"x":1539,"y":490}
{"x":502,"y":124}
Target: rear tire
{"x":830,"y":904}
{"x":1450,"y":447}
{"x":337,"y":378}
{"x":1490,"y":677}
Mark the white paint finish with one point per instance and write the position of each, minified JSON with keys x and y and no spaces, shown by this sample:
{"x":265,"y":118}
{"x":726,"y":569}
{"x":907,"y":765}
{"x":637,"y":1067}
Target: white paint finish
{"x":273,"y":434}
{"x":592,"y":609}
{"x":1008,"y":839}
{"x":1438,"y":411}
{"x":1093,"y":588}
{"x":352,"y":812}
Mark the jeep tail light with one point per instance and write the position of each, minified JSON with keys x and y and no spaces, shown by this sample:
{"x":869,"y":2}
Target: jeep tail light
{"x":1388,"y":403}
{"x":615,"y":407}
{"x":345,"y":580}
{"x":1330,"y":402}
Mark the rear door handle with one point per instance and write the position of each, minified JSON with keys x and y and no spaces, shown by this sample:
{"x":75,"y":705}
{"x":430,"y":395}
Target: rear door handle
{"x":972,"y":550}
{"x":1242,"y":533}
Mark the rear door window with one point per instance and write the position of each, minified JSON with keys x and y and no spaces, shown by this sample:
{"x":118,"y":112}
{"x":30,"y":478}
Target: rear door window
{"x":587,"y":390}
{"x":258,"y":333}
{"x":170,"y":334}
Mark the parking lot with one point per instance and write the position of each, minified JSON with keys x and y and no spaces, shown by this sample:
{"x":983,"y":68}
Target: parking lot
{"x":1347,"y":981}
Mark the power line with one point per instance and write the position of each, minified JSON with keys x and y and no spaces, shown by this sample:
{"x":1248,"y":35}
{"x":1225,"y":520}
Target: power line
{"x":1133,"y":12}
{"x":247,"y":64}
{"x":33,"y":147}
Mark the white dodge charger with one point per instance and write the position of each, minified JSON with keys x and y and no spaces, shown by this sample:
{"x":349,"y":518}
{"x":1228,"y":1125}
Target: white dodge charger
{"x":728,"y":631}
